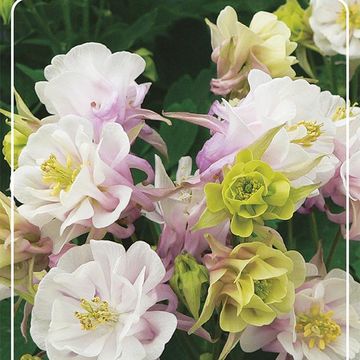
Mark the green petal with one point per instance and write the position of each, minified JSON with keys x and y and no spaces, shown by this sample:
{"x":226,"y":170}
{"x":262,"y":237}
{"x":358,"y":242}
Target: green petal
{"x":210,"y":219}
{"x":297,"y":276}
{"x":302,"y":192}
{"x":257,"y":313}
{"x":241,"y":227}
{"x":214,"y":198}
{"x":302,"y":169}
{"x":259,"y":147}
{"x":279,"y":193}
{"x":209,"y":306}
{"x":229,"y":321}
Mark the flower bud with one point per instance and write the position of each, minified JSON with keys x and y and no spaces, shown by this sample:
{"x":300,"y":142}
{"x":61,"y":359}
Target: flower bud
{"x":189,"y":281}
{"x":29,"y":357}
{"x":5,"y":10}
{"x":25,"y":123}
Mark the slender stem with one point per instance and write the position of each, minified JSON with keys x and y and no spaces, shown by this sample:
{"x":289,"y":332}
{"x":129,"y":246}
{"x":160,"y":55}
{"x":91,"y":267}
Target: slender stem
{"x":355,"y":86}
{"x":100,"y":18}
{"x":134,"y":237}
{"x":40,"y":20}
{"x":290,"y":235}
{"x":67,"y":21}
{"x":312,"y":62}
{"x":17,"y":304}
{"x":314,"y":229}
{"x":86,"y":18}
{"x":332,"y":73}
{"x":334,"y":245}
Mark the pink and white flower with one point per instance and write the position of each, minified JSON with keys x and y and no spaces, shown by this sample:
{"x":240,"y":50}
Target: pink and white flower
{"x":91,"y":82}
{"x":308,"y":131}
{"x":99,"y":304}
{"x":316,"y":329}
{"x":69,"y":184}
{"x":179,"y":212}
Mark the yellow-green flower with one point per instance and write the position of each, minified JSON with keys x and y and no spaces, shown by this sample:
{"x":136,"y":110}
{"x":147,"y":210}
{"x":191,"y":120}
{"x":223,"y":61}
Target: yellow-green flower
{"x":251,"y":284}
{"x":250,"y":193}
{"x":297,"y":19}
{"x":189,"y":282}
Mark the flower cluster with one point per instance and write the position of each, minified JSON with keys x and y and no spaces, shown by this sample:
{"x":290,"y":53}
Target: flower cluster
{"x":110,"y":265}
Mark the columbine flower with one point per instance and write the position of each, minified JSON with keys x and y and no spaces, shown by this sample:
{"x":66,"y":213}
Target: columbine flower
{"x":98,"y":303}
{"x":308,"y":132}
{"x":328,"y":21}
{"x":237,"y":49}
{"x":316,"y":328}
{"x":69,"y":184}
{"x":179,"y":212}
{"x":251,"y":192}
{"x":31,"y":248}
{"x":92,"y":82}
{"x":250,"y":284}
{"x":297,"y":19}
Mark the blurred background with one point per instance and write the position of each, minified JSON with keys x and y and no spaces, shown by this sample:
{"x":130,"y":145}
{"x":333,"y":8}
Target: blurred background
{"x":172,"y":37}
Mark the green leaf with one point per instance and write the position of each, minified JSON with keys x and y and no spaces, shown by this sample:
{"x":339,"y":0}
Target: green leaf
{"x":33,"y":74}
{"x":180,"y":136}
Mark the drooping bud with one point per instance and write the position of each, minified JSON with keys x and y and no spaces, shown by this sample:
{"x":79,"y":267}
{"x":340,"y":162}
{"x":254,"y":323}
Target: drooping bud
{"x":189,"y":281}
{"x":5,"y":10}
{"x":25,"y":123}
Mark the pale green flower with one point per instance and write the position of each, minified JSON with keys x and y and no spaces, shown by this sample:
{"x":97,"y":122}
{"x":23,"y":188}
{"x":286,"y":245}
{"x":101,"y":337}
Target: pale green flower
{"x":251,"y":284}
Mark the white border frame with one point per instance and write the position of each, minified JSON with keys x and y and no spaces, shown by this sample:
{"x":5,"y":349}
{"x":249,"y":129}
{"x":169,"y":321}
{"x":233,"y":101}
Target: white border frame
{"x":347,"y":261}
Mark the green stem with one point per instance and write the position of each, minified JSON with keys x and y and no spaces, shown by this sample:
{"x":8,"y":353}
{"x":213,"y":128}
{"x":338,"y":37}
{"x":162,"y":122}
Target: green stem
{"x":67,"y":21}
{"x":312,"y":62}
{"x":134,"y":237}
{"x":290,"y":235}
{"x":100,"y":19}
{"x":44,"y":26}
{"x":355,"y":87}
{"x":314,"y":229}
{"x":334,"y":245}
{"x":332,"y":73}
{"x":86,"y":18}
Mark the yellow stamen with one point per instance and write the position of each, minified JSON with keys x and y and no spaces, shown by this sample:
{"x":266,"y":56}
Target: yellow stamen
{"x":245,"y":187}
{"x":262,"y":288}
{"x":318,"y":328}
{"x":340,"y":112}
{"x":96,"y":313}
{"x":59,"y":176}
{"x":313,"y":132}
{"x":354,"y":17}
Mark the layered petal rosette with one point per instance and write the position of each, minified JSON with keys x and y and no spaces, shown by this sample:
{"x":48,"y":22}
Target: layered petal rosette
{"x":250,"y":284}
{"x":252,"y":192}
{"x":237,"y":49}
{"x":69,"y":184}
{"x":309,"y":130}
{"x":99,"y":303}
{"x":91,"y":82}
{"x":316,"y":327}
